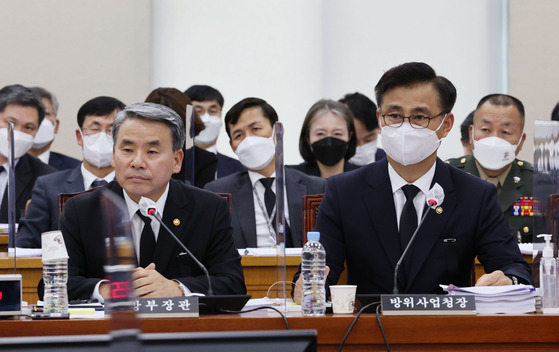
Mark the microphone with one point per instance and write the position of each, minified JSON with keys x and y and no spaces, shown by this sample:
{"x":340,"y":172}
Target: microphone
{"x":435,"y":197}
{"x":149,"y":208}
{"x":12,"y":193}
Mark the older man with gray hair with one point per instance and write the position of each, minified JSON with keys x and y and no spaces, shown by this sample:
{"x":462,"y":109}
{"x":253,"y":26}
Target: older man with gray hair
{"x":47,"y":130}
{"x":147,"y":151}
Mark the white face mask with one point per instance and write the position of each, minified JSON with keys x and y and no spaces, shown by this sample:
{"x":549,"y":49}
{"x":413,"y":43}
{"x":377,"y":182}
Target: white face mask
{"x":364,"y":154}
{"x":211,"y":132}
{"x":407,"y":145}
{"x":255,"y":153}
{"x":22,"y":143}
{"x":44,"y":135}
{"x":98,"y":149}
{"x":494,"y":153}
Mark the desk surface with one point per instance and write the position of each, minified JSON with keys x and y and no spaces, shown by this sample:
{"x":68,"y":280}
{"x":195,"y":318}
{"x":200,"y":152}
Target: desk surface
{"x":418,"y":333}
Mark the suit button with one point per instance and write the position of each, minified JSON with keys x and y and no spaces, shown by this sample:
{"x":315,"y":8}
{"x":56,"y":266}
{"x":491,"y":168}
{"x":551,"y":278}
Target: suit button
{"x":526,"y":229}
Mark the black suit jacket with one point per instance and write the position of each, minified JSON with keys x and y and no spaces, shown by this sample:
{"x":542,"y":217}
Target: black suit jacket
{"x":205,"y":164}
{"x":42,"y":214}
{"x":62,"y":162}
{"x":27,"y":170}
{"x":227,"y":166}
{"x":357,"y":222}
{"x":198,"y":218}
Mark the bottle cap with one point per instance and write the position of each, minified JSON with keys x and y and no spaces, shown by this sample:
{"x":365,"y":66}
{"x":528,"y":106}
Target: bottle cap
{"x":548,"y":250}
{"x":313,"y":236}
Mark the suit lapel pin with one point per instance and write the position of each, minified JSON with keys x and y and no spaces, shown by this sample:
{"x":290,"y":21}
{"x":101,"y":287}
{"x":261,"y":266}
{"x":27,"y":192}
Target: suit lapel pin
{"x":176,"y":222}
{"x":439,"y":210}
{"x":516,"y":179}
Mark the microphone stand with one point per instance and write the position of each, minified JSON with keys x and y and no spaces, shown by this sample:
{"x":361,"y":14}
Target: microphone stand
{"x":395,"y":289}
{"x":158,"y":218}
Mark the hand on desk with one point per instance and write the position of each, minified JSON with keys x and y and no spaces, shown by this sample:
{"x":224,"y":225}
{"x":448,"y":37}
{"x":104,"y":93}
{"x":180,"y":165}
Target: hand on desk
{"x":297,"y":292}
{"x":147,"y":283}
{"x":496,"y":278}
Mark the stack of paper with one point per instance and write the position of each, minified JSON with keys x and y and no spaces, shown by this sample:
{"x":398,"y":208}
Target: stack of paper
{"x":270,"y":252}
{"x":513,"y":299}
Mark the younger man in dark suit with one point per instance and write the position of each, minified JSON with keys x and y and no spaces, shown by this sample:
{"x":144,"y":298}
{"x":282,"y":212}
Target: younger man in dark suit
{"x":208,"y":104}
{"x":366,"y":129}
{"x":368,"y":216}
{"x":249,"y":125}
{"x":148,"y":140}
{"x":23,"y":108}
{"x":496,"y":137}
{"x":95,"y":122}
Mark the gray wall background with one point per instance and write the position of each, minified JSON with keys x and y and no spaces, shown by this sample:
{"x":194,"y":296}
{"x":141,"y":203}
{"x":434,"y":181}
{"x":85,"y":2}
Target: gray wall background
{"x":290,"y":53}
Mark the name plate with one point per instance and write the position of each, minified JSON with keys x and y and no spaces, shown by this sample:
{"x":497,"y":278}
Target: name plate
{"x":171,"y":307}
{"x":431,"y":304}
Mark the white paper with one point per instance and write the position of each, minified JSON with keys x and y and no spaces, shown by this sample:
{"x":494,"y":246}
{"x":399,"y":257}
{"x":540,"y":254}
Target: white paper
{"x":53,"y":246}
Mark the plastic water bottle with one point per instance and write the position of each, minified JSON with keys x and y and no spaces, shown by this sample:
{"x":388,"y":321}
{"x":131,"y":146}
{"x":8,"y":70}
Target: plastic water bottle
{"x":313,"y":269}
{"x":548,"y":277}
{"x":55,"y":277}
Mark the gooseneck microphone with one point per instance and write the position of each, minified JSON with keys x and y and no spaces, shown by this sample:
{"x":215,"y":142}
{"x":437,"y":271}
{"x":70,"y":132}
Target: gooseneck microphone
{"x":149,"y":208}
{"x":434,"y":198}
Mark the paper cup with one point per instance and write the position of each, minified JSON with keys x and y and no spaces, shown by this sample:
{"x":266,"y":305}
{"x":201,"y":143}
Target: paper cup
{"x":343,"y":298}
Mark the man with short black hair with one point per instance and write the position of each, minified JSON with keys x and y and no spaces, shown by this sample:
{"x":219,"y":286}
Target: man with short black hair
{"x":368,"y":216}
{"x":95,"y":122}
{"x":46,"y":133}
{"x":208,"y":104}
{"x":25,"y":110}
{"x":249,"y":124}
{"x":366,"y":129}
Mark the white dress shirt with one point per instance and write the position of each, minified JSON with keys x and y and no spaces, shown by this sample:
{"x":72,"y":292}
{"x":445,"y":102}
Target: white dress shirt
{"x":423,"y":183}
{"x":263,"y":236}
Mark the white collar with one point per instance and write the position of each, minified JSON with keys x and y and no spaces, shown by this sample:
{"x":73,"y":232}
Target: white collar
{"x":255,"y":177}
{"x":89,"y":177}
{"x":423,"y":183}
{"x":133,"y":206}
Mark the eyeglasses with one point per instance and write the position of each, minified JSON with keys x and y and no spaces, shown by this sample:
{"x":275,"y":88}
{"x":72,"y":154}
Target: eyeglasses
{"x":94,"y":130}
{"x":416,"y":121}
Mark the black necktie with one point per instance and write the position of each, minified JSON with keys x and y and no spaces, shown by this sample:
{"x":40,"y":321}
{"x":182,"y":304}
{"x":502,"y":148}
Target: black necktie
{"x":408,"y":218}
{"x":98,"y":183}
{"x":269,"y":197}
{"x":147,"y":242}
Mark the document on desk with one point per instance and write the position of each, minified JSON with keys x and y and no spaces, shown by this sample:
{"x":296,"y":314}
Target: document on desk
{"x":511,"y":299}
{"x":270,"y":252}
{"x":25,"y":252}
{"x":4,"y":227}
{"x":272,"y":302}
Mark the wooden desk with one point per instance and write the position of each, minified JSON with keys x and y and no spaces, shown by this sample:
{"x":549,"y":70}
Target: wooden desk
{"x":260,"y":273}
{"x":263,"y":272}
{"x":4,"y":242}
{"x":417,"y":333}
{"x":31,"y":270}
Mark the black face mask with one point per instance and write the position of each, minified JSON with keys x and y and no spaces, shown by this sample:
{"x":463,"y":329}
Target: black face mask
{"x":329,"y":150}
